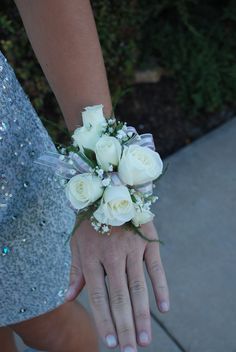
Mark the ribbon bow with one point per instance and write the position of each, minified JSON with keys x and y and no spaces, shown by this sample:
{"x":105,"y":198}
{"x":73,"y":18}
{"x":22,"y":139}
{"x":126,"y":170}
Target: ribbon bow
{"x":68,"y":166}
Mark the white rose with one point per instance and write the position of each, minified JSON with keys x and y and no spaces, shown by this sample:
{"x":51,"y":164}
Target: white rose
{"x":85,"y":138}
{"x":93,"y":117}
{"x":108,"y":151}
{"x":82,"y":190}
{"x":139,"y":165}
{"x":116,"y":206}
{"x":93,"y":121}
{"x":142,"y":216}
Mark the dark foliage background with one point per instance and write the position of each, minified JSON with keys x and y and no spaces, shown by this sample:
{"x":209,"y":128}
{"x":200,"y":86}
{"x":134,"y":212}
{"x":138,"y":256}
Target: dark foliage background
{"x":194,"y":41}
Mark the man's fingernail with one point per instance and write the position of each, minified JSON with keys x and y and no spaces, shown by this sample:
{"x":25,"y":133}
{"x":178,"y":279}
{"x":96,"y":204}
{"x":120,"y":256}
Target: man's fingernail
{"x":111,"y":340}
{"x":70,"y":293}
{"x":164,"y":306}
{"x":129,"y":349}
{"x":143,"y":337}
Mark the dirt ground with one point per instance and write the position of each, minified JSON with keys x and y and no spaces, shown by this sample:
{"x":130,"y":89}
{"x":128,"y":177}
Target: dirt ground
{"x":152,"y":107}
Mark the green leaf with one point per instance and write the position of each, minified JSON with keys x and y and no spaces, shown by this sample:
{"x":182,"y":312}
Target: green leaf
{"x":90,"y":154}
{"x":91,"y":163}
{"x":83,"y":215}
{"x":138,"y":232}
{"x":72,"y":148}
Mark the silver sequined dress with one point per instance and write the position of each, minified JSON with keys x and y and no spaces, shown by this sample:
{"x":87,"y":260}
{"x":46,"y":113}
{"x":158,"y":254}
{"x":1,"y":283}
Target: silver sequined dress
{"x":35,"y":219}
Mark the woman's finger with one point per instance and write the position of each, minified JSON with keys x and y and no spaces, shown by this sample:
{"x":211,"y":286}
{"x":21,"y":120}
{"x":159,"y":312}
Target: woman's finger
{"x":139,"y":297}
{"x":97,"y":292}
{"x":157,"y":275}
{"x":77,"y":281}
{"x":121,"y":305}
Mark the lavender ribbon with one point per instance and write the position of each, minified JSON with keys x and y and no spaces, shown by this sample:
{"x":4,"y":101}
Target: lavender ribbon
{"x":146,"y":188}
{"x":63,"y":166}
{"x":67,"y":166}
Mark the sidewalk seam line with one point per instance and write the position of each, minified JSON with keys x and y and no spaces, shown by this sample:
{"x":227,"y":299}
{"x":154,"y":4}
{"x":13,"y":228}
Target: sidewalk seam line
{"x":164,"y":328}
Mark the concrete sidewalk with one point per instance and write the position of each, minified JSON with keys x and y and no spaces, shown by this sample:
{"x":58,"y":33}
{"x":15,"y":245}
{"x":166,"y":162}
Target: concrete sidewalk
{"x":196,"y":218}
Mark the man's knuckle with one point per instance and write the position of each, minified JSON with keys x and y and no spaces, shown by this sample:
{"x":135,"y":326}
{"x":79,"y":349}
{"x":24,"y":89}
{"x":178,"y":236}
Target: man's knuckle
{"x":143,"y":315}
{"x":155,"y":267}
{"x":118,"y":299}
{"x":125,"y":330}
{"x":105,"y":321}
{"x":97,"y":297}
{"x":137,"y":286}
{"x":74,"y":269}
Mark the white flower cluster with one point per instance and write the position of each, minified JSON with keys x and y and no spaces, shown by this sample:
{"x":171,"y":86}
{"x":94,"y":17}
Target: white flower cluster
{"x":133,"y":165}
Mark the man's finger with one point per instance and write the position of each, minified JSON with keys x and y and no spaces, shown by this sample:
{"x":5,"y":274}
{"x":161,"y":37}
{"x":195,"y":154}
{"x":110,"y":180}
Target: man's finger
{"x":139,"y":297}
{"x":121,"y":306}
{"x":97,"y":292}
{"x":157,"y":275}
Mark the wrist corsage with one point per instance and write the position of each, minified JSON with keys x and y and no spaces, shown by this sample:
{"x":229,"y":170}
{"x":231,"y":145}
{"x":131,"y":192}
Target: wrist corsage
{"x":108,"y":172}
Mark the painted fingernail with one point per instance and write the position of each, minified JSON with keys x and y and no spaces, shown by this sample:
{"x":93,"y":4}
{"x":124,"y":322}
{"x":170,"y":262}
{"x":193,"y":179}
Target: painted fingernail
{"x":129,"y":349}
{"x":143,"y":337}
{"x":111,"y":340}
{"x":164,"y":306}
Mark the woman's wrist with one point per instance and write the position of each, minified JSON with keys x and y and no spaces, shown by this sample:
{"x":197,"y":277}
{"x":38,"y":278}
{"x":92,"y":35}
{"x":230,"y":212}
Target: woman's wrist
{"x":68,"y":49}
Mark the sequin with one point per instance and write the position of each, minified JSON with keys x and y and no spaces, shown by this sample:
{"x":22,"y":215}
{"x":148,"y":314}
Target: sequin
{"x":62,"y":292}
{"x":3,"y":126}
{"x":5,"y":193}
{"x":5,"y":250}
{"x":62,"y":182}
{"x":42,"y":223}
{"x":22,"y":310}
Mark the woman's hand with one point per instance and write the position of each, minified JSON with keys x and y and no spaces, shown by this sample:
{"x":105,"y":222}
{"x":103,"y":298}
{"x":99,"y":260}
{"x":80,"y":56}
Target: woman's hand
{"x":121,"y":312}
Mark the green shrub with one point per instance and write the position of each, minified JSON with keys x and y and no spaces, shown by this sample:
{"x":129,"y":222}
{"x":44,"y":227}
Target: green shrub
{"x":194,"y":40}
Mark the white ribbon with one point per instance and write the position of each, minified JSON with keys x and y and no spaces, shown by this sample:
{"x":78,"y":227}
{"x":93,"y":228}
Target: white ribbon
{"x":68,"y":166}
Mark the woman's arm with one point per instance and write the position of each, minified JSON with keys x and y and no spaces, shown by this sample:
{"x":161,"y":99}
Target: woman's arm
{"x":64,"y":38}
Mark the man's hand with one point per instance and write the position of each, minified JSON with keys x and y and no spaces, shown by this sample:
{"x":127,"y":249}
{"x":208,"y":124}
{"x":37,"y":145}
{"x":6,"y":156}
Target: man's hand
{"x":121,"y":308}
